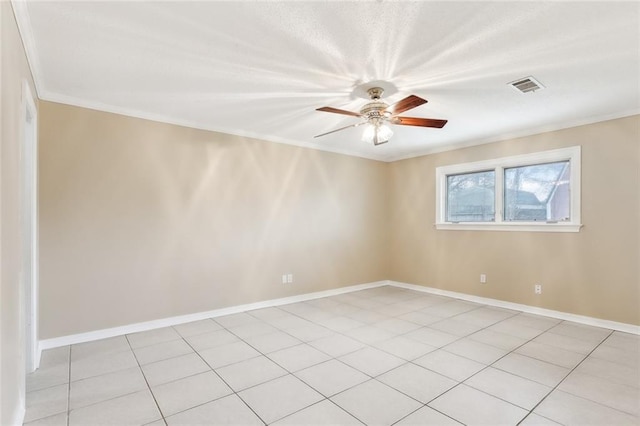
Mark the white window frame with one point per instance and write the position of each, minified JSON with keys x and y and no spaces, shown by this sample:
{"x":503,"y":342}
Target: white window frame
{"x":572,"y":154}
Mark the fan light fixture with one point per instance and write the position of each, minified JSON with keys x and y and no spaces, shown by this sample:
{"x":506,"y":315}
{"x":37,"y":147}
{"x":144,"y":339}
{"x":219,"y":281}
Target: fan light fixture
{"x":377,"y":133}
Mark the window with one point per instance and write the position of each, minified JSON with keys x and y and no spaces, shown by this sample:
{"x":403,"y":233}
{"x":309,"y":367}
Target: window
{"x":533,"y":192}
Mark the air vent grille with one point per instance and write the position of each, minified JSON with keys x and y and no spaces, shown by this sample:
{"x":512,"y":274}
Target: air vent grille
{"x":526,"y":85}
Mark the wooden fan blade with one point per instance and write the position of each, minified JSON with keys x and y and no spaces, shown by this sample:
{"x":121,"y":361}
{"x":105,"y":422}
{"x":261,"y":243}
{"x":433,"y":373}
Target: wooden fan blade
{"x":339,"y":111}
{"x":406,"y":104}
{"x":341,"y":128}
{"x":421,"y":122}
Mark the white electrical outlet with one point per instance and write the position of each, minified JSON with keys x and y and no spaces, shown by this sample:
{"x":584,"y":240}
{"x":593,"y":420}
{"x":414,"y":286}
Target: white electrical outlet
{"x":284,"y":278}
{"x":483,"y":278}
{"x":537,"y":288}
{"x":290,"y":278}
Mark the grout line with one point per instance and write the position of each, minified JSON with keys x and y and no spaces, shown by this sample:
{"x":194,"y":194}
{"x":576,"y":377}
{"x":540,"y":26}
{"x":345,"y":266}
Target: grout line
{"x":145,"y":379}
{"x":223,"y":380}
{"x":69,"y":388}
{"x":567,"y":375}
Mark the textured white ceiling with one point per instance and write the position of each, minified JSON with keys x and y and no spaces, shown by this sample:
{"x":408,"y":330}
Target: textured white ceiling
{"x":262,"y":68}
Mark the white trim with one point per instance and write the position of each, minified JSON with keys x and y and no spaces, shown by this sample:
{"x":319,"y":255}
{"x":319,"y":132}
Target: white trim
{"x":523,"y":226}
{"x":23,"y":21}
{"x":166,"y":322}
{"x":18,"y":416}
{"x":572,"y":154}
{"x":29,"y":148}
{"x":565,"y":316}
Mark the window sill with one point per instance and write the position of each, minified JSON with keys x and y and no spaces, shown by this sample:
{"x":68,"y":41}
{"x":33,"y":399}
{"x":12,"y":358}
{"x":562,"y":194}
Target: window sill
{"x":521,"y":227}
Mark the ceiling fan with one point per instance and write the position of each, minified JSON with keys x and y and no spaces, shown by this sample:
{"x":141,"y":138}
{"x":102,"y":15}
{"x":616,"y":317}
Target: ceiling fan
{"x":378,"y":114}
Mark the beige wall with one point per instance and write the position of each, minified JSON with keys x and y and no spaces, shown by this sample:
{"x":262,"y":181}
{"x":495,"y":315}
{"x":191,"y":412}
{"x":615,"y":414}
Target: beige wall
{"x":14,"y":70}
{"x":141,"y":220}
{"x":594,"y":272}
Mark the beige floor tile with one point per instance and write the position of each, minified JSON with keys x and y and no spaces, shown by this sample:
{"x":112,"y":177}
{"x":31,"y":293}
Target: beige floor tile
{"x":133,"y":409}
{"x":152,"y":337}
{"x":568,"y":409}
{"x":417,"y":382}
{"x":517,"y":390}
{"x":162,"y":351}
{"x":107,"y":386}
{"x":279,"y":398}
{"x":374,"y":403}
{"x":172,"y":369}
{"x":180,"y":395}
{"x":337,"y":345}
{"x":405,"y":348}
{"x":532,"y":369}
{"x":235,"y":320}
{"x":101,"y":363}
{"x":511,"y":327}
{"x":566,"y":342}
{"x":55,"y":357}
{"x":372,"y":361}
{"x":331,"y":377}
{"x":499,"y":340}
{"x":551,"y":354}
{"x":252,"y":329}
{"x":450,"y":308}
{"x":456,"y":327}
{"x":432,"y":337}
{"x":420,"y":318}
{"x":267,"y":313}
{"x":475,"y":351}
{"x":197,"y":327}
{"x":308,"y":333}
{"x":298,"y":357}
{"x":99,"y":347}
{"x":614,"y":395}
{"x":613,"y":371}
{"x":427,"y":416}
{"x":323,"y":413}
{"x":272,"y":342}
{"x":581,"y":331}
{"x":213,"y":339}
{"x":478,"y":407}
{"x":369,"y":334}
{"x":228,"y":354}
{"x":629,"y":357}
{"x":229,"y":410}
{"x":46,"y":402}
{"x":251,"y":372}
{"x":450,"y":365}
{"x":55,"y":420}
{"x":340,"y":323}
{"x":48,"y":376}
{"x":536,"y":420}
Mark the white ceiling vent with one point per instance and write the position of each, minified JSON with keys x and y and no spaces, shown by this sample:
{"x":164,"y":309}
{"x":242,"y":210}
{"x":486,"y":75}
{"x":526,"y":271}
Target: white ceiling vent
{"x":526,"y":85}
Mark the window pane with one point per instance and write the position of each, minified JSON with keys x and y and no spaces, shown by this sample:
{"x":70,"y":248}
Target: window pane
{"x":471,"y":197}
{"x":537,"y":193}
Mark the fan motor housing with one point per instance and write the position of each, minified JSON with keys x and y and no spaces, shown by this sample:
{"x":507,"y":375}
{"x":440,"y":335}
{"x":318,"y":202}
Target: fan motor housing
{"x":375,"y":109}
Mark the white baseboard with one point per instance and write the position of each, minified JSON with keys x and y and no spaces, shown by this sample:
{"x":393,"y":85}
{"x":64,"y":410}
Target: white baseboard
{"x":18,"y":415}
{"x":596,"y":322}
{"x":165,"y":322}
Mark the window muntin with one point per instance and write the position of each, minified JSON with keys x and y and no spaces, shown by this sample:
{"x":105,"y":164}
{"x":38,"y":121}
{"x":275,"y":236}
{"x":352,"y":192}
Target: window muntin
{"x":553,"y":177}
{"x":471,"y":197}
{"x":539,"y":192}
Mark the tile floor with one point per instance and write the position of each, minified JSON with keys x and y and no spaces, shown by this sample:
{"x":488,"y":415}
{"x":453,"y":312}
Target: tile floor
{"x":381,"y":356}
